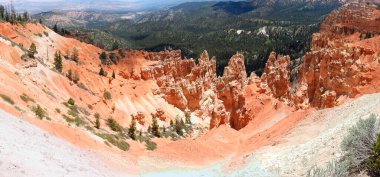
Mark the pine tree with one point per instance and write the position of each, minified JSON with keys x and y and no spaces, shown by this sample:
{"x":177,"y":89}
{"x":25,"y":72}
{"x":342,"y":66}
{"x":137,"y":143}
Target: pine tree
{"x":55,"y":28}
{"x":103,"y":57}
{"x":25,"y":16}
{"x":70,"y":75}
{"x":132,"y":129}
{"x":155,"y":128}
{"x":149,"y":129}
{"x":188,"y":117}
{"x":2,"y":12}
{"x":115,"y":45}
{"x":179,"y":127}
{"x":75,"y":55}
{"x":33,"y":49}
{"x":101,"y":72}
{"x":58,"y":61}
{"x":97,"y":120}
{"x":113,"y":75}
{"x":171,"y":123}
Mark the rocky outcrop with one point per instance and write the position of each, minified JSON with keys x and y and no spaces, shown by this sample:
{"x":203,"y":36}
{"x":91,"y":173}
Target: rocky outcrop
{"x":140,"y":118}
{"x":276,"y":76}
{"x":163,"y":55}
{"x":335,"y":67}
{"x":337,"y":71}
{"x":196,"y":87}
{"x":160,"y":114}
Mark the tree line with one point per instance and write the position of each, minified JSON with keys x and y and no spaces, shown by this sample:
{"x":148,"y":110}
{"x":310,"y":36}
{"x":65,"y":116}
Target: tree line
{"x":9,"y":14}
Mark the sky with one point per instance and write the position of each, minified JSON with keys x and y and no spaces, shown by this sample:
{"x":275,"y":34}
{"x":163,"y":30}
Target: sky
{"x":36,"y":6}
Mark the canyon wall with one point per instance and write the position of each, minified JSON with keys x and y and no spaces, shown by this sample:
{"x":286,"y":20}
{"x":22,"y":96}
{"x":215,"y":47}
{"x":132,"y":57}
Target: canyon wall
{"x":337,"y":66}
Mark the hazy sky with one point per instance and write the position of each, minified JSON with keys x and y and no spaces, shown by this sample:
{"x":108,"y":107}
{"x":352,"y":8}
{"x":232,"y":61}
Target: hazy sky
{"x":35,"y":6}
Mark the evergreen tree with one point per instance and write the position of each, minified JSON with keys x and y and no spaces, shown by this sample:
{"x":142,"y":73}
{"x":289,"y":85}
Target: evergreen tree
{"x":58,"y":61}
{"x":155,"y":128}
{"x":97,"y":120}
{"x":70,"y":75}
{"x":67,"y":56}
{"x":75,"y":55}
{"x":103,"y":57}
{"x":171,"y":123}
{"x":179,"y":127}
{"x":132,"y":129}
{"x":113,"y":58}
{"x":113,"y":75}
{"x":149,"y":129}
{"x":373,"y":161}
{"x":2,"y":12}
{"x":115,"y":45}
{"x":182,"y":123}
{"x":55,"y":28}
{"x":188,"y":117}
{"x":25,"y":16}
{"x":101,"y":72}
{"x":33,"y":49}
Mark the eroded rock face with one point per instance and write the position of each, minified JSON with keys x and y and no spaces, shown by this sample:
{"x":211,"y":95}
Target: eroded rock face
{"x":160,"y":114}
{"x":140,"y":118}
{"x":196,"y":86}
{"x":277,"y":76}
{"x":338,"y":71}
{"x":166,"y":55}
{"x":336,"y":66}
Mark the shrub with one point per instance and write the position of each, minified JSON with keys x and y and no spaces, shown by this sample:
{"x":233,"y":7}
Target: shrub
{"x":71,"y":102}
{"x":150,"y":145}
{"x":373,"y":163}
{"x":115,"y":140}
{"x":39,"y":112}
{"x":114,"y":125}
{"x":68,"y":118}
{"x":107,"y":95}
{"x":7,"y":99}
{"x":358,"y":144}
{"x":26,"y":98}
{"x":333,"y":169}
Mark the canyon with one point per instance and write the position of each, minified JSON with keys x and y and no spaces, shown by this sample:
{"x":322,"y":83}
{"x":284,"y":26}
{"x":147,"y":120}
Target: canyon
{"x":237,"y":117}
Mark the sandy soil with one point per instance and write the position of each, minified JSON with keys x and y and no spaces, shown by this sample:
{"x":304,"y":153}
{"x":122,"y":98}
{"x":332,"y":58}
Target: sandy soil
{"x":26,"y":150}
